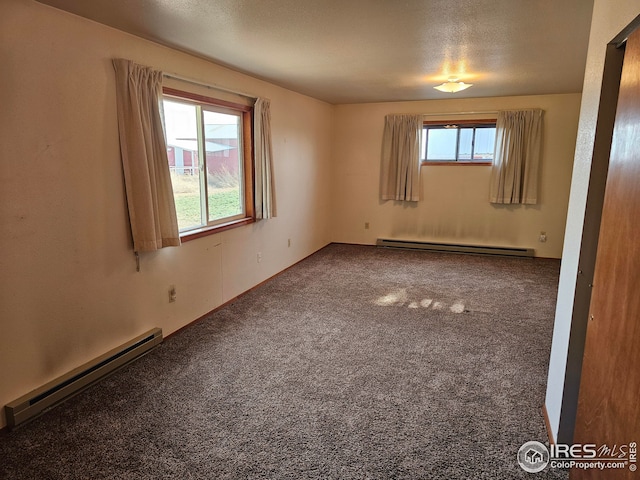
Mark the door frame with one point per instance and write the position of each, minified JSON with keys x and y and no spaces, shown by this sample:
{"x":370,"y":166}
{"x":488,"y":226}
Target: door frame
{"x":607,"y":109}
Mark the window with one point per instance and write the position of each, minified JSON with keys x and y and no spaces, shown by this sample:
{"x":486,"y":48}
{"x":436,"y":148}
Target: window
{"x":209,"y":150}
{"x":464,"y":142}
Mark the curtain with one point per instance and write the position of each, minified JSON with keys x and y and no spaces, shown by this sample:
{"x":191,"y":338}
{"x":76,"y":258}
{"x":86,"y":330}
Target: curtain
{"x":514,"y":175}
{"x":152,"y":211}
{"x":399,"y":176}
{"x":265,"y":200}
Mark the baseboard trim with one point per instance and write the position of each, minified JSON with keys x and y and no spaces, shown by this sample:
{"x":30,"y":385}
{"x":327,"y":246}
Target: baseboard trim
{"x":353,"y":243}
{"x":547,"y":424}
{"x":231,"y":300}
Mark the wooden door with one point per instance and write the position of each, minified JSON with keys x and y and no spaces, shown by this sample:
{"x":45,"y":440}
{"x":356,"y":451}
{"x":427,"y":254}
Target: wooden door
{"x":609,"y":399}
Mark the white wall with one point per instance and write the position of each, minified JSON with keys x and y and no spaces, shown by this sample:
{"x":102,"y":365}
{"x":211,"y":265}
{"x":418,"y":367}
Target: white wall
{"x":69,"y":290}
{"x":454,"y":204}
{"x":610,"y":17}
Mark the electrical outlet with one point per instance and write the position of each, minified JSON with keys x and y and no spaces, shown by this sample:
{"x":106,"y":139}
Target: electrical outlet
{"x":259,"y":257}
{"x":366,"y":225}
{"x":172,"y":293}
{"x":543,"y":237}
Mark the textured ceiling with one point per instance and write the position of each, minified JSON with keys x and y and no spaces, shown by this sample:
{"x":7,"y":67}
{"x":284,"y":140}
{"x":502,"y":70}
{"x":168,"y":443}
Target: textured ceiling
{"x":350,"y":51}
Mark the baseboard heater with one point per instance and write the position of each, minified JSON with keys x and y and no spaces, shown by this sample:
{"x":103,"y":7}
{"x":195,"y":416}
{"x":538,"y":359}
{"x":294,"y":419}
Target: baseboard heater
{"x":60,"y":389}
{"x":455,"y":248}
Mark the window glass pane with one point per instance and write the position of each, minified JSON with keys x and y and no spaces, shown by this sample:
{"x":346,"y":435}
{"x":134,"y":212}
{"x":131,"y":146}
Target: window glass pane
{"x":466,"y":143}
{"x":182,"y":149}
{"x":441,"y":143}
{"x":224,"y":164}
{"x":484,"y":144}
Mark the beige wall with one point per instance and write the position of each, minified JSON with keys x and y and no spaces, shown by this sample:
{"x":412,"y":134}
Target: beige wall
{"x":454,"y":205}
{"x":610,"y":17}
{"x":69,"y":290}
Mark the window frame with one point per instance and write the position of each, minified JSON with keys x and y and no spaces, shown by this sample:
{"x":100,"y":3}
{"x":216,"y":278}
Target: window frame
{"x":443,"y":124}
{"x":246,"y":115}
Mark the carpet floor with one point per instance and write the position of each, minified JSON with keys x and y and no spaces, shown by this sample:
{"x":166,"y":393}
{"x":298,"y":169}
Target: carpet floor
{"x":357,"y":363}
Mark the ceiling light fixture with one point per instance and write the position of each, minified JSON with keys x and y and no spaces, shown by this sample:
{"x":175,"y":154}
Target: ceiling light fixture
{"x":452,"y":85}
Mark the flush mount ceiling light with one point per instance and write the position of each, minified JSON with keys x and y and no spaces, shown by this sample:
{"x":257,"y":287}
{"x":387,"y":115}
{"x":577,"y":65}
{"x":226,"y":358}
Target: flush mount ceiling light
{"x":452,"y":85}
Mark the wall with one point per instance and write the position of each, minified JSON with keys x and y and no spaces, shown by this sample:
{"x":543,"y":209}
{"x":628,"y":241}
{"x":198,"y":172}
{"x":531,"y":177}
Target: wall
{"x":610,"y":17}
{"x":69,"y":290}
{"x":454,"y":204}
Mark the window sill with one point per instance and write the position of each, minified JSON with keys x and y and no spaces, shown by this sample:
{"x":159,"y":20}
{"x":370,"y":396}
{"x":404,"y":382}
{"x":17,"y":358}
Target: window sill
{"x":480,"y":164}
{"x":205,"y":231}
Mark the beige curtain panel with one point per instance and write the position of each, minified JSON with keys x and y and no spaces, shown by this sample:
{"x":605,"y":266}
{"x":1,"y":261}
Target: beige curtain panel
{"x":265,"y":199}
{"x":152,"y":211}
{"x":514,"y":175}
{"x":399,"y":176}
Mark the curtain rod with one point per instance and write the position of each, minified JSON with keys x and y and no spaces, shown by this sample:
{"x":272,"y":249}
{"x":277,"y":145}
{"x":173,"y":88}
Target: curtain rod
{"x":210,"y":86}
{"x":442,"y":114}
